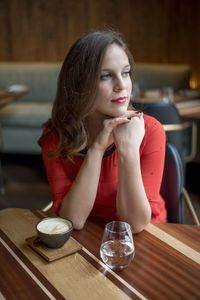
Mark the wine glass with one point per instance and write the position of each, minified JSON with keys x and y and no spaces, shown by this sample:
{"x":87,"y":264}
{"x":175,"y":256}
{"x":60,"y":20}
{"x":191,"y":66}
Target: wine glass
{"x":168,"y":95}
{"x":117,"y":246}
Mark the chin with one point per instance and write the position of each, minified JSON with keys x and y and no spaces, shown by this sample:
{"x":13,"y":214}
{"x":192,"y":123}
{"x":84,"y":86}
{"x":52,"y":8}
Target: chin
{"x":119,"y":113}
{"x":113,"y":113}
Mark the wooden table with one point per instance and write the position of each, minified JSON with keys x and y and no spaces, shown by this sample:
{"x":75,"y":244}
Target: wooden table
{"x":188,"y":108}
{"x":7,"y":97}
{"x":166,"y":264}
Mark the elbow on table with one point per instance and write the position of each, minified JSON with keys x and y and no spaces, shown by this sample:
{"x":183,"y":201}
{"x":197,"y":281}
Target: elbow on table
{"x":78,"y":224}
{"x":139,"y":227}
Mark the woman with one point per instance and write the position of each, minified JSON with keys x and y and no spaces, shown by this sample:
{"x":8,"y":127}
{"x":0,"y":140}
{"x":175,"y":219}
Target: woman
{"x":102,"y":158}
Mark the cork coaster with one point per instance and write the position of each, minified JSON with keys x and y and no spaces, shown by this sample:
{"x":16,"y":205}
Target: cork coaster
{"x":49,"y":254}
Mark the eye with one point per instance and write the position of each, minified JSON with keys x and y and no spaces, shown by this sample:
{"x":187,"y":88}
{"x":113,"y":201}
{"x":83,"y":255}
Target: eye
{"x":105,"y":76}
{"x":126,"y":73}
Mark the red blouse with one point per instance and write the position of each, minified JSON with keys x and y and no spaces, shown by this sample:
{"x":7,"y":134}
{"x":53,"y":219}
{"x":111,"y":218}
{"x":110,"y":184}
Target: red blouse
{"x":62,"y":173}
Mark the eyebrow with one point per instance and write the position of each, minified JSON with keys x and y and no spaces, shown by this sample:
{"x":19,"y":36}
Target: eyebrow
{"x":126,"y":66}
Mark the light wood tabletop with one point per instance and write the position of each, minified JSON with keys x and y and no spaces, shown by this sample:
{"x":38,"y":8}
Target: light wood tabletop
{"x":189,"y":109}
{"x":166,"y":263}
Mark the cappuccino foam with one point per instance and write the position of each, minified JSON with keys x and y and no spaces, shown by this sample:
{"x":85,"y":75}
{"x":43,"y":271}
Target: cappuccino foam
{"x":53,"y":226}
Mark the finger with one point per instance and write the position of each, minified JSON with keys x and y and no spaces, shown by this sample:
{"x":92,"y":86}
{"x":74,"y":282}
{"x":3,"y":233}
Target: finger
{"x":109,"y":125}
{"x":139,"y":116}
{"x":131,"y":114}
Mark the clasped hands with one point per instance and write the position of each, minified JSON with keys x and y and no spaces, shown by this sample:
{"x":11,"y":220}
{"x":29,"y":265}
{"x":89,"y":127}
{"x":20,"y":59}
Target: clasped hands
{"x":125,"y":131}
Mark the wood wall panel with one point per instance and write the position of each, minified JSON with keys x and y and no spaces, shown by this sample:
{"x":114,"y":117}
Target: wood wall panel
{"x":195,"y":44}
{"x":138,"y":21}
{"x":40,"y":30}
{"x":181,"y":31}
{"x":164,"y":31}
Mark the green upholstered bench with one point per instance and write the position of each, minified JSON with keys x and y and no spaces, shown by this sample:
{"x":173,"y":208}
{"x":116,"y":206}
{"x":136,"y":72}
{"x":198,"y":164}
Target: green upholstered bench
{"x":158,"y":76}
{"x":21,"y":121}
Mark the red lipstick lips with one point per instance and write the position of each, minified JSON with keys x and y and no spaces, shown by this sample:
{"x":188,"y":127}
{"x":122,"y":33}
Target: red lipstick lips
{"x":119,"y":100}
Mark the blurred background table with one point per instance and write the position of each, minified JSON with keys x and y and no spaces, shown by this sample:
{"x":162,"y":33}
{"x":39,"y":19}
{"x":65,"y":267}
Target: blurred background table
{"x":7,"y":96}
{"x":189,"y":108}
{"x":188,"y":104}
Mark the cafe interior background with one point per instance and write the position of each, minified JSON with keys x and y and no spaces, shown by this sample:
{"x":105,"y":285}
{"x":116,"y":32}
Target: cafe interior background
{"x":164,"y":32}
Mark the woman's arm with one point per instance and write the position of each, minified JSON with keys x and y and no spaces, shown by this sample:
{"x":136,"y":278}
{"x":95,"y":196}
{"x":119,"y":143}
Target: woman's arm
{"x":78,"y":202}
{"x":140,"y":177}
{"x":132,"y":203}
{"x":73,"y":194}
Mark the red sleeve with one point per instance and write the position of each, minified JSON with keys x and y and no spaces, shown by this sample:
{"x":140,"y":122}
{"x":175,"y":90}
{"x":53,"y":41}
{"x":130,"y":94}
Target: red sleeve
{"x":58,"y":179}
{"x":152,"y":165}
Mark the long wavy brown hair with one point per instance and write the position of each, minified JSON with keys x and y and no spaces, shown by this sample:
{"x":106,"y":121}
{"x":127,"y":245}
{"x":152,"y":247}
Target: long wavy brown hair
{"x":76,"y":91}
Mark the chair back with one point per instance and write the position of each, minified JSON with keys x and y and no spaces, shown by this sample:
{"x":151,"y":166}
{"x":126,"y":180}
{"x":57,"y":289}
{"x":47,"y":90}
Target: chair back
{"x":182,"y":134}
{"x":172,"y":184}
{"x":167,"y":114}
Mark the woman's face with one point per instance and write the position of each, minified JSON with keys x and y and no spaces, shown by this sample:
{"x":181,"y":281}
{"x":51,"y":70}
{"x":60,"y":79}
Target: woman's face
{"x":115,"y":85}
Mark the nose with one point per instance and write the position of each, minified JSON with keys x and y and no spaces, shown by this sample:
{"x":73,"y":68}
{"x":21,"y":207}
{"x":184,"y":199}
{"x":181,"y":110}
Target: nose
{"x":119,"y":84}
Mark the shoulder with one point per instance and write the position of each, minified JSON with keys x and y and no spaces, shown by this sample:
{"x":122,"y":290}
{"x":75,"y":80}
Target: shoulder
{"x":49,"y":139}
{"x":153,"y":125}
{"x":154,"y":137}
